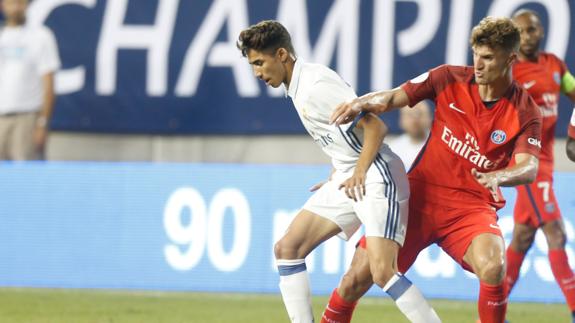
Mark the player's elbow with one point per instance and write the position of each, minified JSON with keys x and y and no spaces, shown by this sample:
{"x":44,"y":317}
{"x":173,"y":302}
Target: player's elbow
{"x":373,"y":125}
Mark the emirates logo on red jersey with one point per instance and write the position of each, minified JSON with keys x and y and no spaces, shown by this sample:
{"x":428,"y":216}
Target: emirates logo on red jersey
{"x":468,"y":148}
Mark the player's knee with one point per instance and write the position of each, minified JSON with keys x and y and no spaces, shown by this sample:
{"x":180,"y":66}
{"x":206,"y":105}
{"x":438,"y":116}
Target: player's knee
{"x":556,"y":239}
{"x":285,"y":250}
{"x":353,"y":285}
{"x":382,"y":273}
{"x":491,"y":270}
{"x":522,"y":241}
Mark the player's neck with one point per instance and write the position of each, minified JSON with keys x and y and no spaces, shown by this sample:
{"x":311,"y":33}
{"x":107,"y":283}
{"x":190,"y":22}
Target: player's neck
{"x":496,"y":89}
{"x":14,"y":22}
{"x":528,"y":58}
{"x":289,"y":66}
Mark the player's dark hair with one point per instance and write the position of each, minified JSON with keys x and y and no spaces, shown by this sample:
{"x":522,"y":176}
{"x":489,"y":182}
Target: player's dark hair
{"x":496,"y":32}
{"x":265,"y":36}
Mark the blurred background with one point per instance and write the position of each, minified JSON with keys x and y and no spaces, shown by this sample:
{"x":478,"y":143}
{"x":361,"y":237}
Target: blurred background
{"x":168,"y":166}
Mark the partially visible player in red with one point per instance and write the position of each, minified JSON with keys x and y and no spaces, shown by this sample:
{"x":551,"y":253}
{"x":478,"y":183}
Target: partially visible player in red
{"x":544,"y":76}
{"x":570,"y":147}
{"x":483,"y":119}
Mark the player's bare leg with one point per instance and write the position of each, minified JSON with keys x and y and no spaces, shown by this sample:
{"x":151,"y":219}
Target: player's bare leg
{"x":523,"y":236}
{"x":556,"y":239}
{"x":353,"y":285}
{"x":306,"y":232}
{"x":486,"y":256}
{"x":382,"y":254}
{"x":377,"y":264}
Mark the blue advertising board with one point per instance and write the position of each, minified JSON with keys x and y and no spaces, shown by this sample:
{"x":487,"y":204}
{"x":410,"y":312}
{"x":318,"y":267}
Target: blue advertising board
{"x":200,"y":228}
{"x":171,"y":66}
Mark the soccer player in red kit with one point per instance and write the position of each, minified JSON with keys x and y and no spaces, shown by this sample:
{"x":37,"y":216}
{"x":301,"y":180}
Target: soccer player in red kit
{"x":544,"y":76}
{"x":483,"y":119}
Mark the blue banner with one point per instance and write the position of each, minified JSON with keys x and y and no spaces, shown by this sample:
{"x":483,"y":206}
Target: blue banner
{"x":200,"y":228}
{"x":172,"y":67}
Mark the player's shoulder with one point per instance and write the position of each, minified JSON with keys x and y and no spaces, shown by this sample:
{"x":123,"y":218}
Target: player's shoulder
{"x":522,"y":100}
{"x":318,"y":72}
{"x":321,"y":77}
{"x":548,"y":56}
{"x":453,"y":73}
{"x":550,"y":59}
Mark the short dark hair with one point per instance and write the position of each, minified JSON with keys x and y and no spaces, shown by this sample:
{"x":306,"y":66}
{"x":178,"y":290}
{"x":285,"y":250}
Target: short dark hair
{"x":265,"y":36}
{"x":496,"y":33}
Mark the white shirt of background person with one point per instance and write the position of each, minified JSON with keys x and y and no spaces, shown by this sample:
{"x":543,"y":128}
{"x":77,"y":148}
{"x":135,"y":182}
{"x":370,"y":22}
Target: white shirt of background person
{"x":415,"y":122}
{"x":27,"y":54}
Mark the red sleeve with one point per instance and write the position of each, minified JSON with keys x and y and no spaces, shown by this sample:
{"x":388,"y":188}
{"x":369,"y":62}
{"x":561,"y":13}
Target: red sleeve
{"x":424,"y":86}
{"x":529,"y":140}
{"x":562,"y":65}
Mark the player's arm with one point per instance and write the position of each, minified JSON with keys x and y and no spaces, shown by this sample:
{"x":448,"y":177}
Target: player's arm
{"x":522,"y":172}
{"x":374,"y":130}
{"x":568,"y":88}
{"x":374,"y":102}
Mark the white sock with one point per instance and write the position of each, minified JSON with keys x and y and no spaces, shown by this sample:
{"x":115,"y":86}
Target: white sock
{"x":296,"y":293}
{"x":409,"y":300}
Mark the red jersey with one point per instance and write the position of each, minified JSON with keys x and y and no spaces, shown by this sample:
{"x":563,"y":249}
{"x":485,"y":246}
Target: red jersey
{"x":466,"y":134}
{"x":542,"y":79}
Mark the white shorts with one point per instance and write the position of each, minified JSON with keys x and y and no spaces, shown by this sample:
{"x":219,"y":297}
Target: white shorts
{"x":383,"y":210}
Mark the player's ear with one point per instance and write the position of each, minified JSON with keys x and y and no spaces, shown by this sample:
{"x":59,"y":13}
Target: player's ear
{"x":512,"y":58}
{"x":282,"y":54}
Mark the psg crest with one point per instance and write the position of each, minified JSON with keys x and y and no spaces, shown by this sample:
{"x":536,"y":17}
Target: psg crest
{"x":498,"y":137}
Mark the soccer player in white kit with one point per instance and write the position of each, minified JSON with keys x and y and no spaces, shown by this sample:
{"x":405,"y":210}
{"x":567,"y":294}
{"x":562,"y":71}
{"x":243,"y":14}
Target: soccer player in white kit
{"x":368,"y":183}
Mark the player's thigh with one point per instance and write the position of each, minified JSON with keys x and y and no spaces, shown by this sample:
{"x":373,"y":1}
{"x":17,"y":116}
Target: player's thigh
{"x":523,"y":236}
{"x":461,"y":226}
{"x":331,"y":203}
{"x":382,"y":214}
{"x":486,"y":256}
{"x":306,"y":231}
{"x":420,"y":233}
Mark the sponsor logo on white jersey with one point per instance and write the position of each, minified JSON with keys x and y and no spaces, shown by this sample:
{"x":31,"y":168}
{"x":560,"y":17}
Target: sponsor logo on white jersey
{"x":468,"y":149}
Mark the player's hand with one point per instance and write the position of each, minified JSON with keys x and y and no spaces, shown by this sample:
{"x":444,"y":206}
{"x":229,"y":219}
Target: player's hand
{"x":317,"y":186}
{"x":345,"y":112}
{"x":489,"y":181}
{"x":354,"y":186}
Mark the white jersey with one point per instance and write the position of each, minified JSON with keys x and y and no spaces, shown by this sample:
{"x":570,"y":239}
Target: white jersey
{"x":316,"y":91}
{"x":406,"y":149}
{"x":26,"y":54}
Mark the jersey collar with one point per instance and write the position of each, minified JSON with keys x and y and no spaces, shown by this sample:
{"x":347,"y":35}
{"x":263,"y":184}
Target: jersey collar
{"x":293,"y":84}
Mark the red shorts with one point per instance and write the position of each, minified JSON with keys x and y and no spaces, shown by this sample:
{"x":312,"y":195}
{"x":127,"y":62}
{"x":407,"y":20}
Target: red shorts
{"x":536,"y":203}
{"x":451,"y":228}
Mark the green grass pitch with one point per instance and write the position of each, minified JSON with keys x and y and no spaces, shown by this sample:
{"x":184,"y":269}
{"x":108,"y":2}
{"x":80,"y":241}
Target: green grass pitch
{"x":105,"y":306}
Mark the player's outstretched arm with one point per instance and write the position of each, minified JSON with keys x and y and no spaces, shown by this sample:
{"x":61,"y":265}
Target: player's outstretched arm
{"x":374,"y":102}
{"x":374,"y":130}
{"x":571,"y":148}
{"x":523,"y":172}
